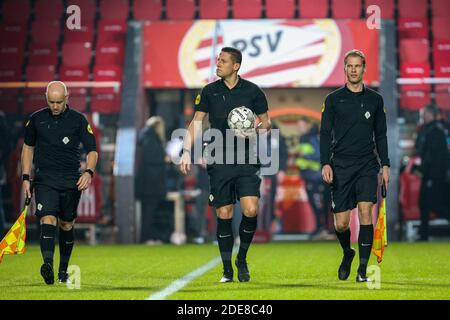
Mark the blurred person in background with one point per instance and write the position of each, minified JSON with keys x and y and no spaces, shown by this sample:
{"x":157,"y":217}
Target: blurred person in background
{"x":5,"y":149}
{"x":151,"y":184}
{"x":431,"y":146}
{"x":308,"y":162}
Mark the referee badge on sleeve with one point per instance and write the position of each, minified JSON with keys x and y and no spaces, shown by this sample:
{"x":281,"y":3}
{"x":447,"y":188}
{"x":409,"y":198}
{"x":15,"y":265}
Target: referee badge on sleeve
{"x":89,"y":129}
{"x":197,"y":100}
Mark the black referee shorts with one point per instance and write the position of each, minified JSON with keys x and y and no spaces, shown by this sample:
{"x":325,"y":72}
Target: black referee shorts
{"x":62,"y":204}
{"x":230,"y":182}
{"x":354,"y":180}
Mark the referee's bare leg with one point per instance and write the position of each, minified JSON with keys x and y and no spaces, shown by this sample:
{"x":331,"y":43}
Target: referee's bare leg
{"x":342,"y":229}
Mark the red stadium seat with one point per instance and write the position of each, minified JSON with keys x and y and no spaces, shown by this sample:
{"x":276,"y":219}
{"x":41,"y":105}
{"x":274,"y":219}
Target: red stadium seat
{"x":77,"y":102}
{"x":413,"y":27}
{"x":213,"y":9}
{"x":33,"y":100}
{"x":88,"y":9}
{"x":105,"y":103}
{"x":415,"y":70}
{"x":77,"y":54}
{"x":180,"y":9}
{"x":106,"y":73}
{"x":386,"y":6}
{"x":40,"y":73}
{"x":67,"y":73}
{"x":109,"y":53}
{"x":13,"y":33}
{"x":11,"y":55}
{"x":111,"y":31}
{"x":440,"y":8}
{"x":440,"y":28}
{"x":276,"y":9}
{"x":414,"y":50}
{"x":10,"y":74}
{"x":114,"y":9}
{"x":9,"y":100}
{"x":346,"y":9}
{"x":41,"y":54}
{"x":414,"y":100}
{"x":412,"y":8}
{"x":48,"y":10}
{"x":313,"y":9}
{"x":247,"y":9}
{"x":147,"y":9}
{"x":443,"y":100}
{"x":16,"y":11}
{"x":45,"y":32}
{"x":84,"y":34}
{"x":441,"y":58}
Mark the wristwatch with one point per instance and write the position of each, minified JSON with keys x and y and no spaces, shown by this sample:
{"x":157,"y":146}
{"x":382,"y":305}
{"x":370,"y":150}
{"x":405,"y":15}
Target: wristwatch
{"x":90,"y":172}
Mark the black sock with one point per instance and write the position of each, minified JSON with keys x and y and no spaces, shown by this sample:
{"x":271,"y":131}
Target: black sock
{"x":344,"y":239}
{"x":47,"y":242}
{"x":226,"y":241}
{"x":247,"y":229}
{"x":365,"y":240}
{"x":65,"y":248}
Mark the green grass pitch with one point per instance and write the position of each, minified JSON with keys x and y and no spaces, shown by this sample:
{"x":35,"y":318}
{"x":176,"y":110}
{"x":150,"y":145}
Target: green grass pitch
{"x":292,"y":271}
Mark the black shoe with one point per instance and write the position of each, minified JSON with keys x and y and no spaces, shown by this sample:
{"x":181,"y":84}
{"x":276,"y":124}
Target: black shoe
{"x":346,"y":264}
{"x":47,"y":273}
{"x":361,"y":277}
{"x":227,"y":276}
{"x":63,"y":277}
{"x":243,"y":273}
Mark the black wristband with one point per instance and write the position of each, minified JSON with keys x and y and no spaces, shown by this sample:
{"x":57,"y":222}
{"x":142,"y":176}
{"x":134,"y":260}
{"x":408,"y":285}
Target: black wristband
{"x":25,"y":177}
{"x":90,"y":172}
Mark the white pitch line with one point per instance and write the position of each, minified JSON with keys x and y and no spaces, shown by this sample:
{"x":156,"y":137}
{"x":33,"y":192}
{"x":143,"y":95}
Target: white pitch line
{"x":180,"y":283}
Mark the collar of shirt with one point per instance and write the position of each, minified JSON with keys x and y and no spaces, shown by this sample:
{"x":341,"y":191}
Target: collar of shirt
{"x":356,"y":93}
{"x":238,"y":84}
{"x":60,"y":115}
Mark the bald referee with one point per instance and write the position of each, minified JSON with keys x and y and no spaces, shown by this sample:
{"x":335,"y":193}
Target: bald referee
{"x":52,"y":139}
{"x":353,"y":147}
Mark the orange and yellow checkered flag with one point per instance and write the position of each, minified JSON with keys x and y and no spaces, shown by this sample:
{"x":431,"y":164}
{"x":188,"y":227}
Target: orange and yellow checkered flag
{"x":14,"y":241}
{"x":380,"y":233}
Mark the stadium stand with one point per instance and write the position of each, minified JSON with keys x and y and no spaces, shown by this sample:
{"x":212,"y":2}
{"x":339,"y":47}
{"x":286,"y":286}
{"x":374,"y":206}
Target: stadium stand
{"x":180,"y":9}
{"x":386,"y":6}
{"x":213,"y":9}
{"x":48,"y":10}
{"x":16,"y":11}
{"x":313,"y":9}
{"x":280,"y":9}
{"x":412,"y":8}
{"x":114,"y":9}
{"x":147,"y":9}
{"x":248,"y":9}
{"x":346,"y":9}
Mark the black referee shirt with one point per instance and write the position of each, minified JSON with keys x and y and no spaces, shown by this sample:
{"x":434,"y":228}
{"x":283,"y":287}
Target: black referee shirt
{"x":218,"y":100}
{"x":56,"y":141}
{"x":353,"y":124}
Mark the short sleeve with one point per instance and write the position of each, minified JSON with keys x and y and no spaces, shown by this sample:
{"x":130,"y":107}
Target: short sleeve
{"x":30,"y":132}
{"x":260,"y":105}
{"x":201,"y":102}
{"x":87,"y":136}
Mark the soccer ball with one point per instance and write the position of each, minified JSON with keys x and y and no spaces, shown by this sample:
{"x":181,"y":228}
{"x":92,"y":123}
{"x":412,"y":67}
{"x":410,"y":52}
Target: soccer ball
{"x":241,"y":120}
